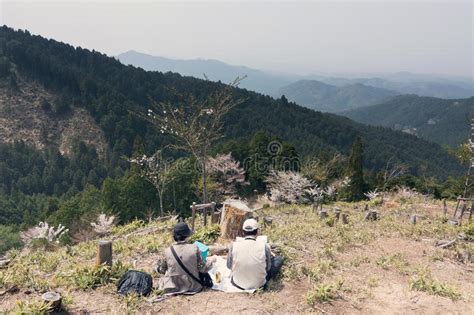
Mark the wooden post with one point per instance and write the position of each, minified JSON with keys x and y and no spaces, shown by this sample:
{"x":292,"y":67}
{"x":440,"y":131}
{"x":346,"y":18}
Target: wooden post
{"x":204,"y":213}
{"x":193,"y":215}
{"x":445,"y":208}
{"x":104,"y":253}
{"x":337,"y":213}
{"x":413,"y":219}
{"x":214,"y":214}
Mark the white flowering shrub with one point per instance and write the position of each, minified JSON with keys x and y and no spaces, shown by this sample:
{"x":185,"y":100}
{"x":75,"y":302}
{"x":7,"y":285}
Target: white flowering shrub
{"x":104,"y":224}
{"x":372,"y":195}
{"x":291,"y":187}
{"x":45,"y":232}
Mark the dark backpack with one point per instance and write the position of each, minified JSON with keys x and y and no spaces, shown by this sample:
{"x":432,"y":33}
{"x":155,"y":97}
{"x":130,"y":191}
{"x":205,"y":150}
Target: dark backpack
{"x":135,"y":282}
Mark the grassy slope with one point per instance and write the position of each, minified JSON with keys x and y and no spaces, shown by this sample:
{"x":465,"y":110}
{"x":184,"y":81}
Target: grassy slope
{"x":362,"y":267}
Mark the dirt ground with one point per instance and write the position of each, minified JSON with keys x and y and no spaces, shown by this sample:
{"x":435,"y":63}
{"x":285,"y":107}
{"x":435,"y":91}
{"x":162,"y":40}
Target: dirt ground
{"x":372,"y":290}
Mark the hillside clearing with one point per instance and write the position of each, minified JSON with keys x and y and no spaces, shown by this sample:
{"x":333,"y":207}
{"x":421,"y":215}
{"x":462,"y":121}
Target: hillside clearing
{"x":385,"y":266}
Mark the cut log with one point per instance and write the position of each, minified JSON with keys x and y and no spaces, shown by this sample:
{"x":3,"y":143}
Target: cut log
{"x":54,"y":299}
{"x":453,"y":221}
{"x":445,"y":243}
{"x":104,"y":253}
{"x":234,"y":213}
{"x":218,"y":250}
{"x":4,"y":263}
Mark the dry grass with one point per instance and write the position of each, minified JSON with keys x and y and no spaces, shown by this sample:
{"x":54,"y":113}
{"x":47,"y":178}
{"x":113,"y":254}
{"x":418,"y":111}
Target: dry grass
{"x":334,"y":262}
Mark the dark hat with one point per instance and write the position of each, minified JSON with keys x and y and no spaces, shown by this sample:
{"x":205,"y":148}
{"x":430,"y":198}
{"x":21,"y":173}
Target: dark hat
{"x":181,"y":230}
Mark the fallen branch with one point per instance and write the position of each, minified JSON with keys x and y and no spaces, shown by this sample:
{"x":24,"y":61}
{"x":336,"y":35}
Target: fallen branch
{"x":13,"y":289}
{"x":445,"y":244}
{"x":140,"y":232}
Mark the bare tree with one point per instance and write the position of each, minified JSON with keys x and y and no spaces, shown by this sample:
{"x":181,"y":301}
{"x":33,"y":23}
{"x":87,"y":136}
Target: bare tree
{"x":157,"y":170}
{"x":391,"y":172}
{"x":195,"y":122}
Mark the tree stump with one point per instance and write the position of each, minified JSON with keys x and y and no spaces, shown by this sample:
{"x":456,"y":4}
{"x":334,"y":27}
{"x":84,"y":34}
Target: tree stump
{"x":234,"y":213}
{"x":413,"y":219}
{"x":267,"y":221}
{"x":323,"y":214}
{"x":337,"y":213}
{"x":372,"y":215}
{"x":104,"y":253}
{"x":344,"y":218}
{"x":54,"y":299}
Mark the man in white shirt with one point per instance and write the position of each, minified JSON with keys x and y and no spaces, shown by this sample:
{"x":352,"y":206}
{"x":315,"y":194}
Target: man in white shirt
{"x":251,"y":260}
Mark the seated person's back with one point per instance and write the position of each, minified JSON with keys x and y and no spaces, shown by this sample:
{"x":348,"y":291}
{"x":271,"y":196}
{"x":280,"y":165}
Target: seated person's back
{"x":249,"y":259}
{"x":176,"y":280}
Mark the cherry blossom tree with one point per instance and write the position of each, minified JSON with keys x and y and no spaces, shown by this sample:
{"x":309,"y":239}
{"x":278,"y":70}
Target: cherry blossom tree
{"x":195,"y":122}
{"x":291,"y":187}
{"x":228,"y":174}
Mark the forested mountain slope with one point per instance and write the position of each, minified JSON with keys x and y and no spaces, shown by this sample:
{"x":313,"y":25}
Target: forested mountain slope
{"x":446,"y":122}
{"x":330,"y":98}
{"x":110,"y":91}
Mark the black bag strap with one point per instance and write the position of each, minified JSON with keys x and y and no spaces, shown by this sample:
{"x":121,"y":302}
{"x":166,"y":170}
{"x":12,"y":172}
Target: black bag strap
{"x":183,"y":267}
{"x":235,"y":284}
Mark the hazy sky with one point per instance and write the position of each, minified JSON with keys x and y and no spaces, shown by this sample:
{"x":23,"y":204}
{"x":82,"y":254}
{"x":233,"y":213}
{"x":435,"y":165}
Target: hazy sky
{"x":337,"y":37}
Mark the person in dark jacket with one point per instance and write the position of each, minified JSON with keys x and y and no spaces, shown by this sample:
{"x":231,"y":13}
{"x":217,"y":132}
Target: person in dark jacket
{"x":176,"y":280}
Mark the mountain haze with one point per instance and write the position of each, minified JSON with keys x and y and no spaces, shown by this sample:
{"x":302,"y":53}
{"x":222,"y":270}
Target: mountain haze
{"x":330,"y":98}
{"x":269,"y":83}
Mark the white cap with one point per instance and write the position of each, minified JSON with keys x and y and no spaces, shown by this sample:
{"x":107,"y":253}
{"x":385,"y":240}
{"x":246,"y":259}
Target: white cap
{"x":250,"y":225}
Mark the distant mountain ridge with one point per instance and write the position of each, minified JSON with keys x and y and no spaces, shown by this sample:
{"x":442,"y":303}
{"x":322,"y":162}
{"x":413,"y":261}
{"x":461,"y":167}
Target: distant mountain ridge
{"x":109,"y":91}
{"x":330,"y":98}
{"x":269,"y":83}
{"x":215,"y":70}
{"x":446,"y":122}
